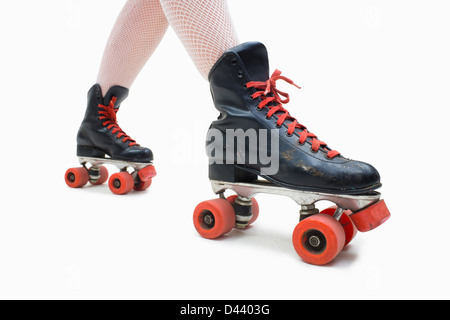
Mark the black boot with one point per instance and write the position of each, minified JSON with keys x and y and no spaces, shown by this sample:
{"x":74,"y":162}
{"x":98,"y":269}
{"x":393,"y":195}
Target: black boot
{"x":248,"y":99}
{"x":100,"y":135}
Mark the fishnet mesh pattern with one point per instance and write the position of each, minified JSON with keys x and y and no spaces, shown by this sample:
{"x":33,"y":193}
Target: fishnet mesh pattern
{"x":136,"y":34}
{"x":204,"y":27}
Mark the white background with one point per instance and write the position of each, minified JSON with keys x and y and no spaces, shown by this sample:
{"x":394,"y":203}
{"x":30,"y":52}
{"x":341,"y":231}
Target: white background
{"x":375,"y":79}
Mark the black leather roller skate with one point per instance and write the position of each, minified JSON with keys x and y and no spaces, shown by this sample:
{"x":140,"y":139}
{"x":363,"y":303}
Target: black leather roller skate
{"x":256,"y":146}
{"x":100,"y":141}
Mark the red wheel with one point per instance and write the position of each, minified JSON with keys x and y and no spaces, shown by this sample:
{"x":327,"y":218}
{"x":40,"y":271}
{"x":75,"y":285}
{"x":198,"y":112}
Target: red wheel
{"x":318,"y":239}
{"x":214,"y":218}
{"x":255,"y":208}
{"x":142,"y":185}
{"x":349,"y":227}
{"x":121,"y":183}
{"x":371,"y":217}
{"x":77,"y":177}
{"x":103,"y":176}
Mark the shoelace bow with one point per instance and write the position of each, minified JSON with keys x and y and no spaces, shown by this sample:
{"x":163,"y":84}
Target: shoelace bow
{"x":109,"y":115}
{"x":271,"y":99}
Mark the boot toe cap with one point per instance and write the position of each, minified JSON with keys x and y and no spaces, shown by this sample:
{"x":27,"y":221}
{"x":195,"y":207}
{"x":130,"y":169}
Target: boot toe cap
{"x":362,"y":176}
{"x":138,"y":154}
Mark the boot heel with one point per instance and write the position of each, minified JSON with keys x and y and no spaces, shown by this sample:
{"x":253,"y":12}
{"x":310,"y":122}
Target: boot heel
{"x":230,"y":173}
{"x":90,"y":152}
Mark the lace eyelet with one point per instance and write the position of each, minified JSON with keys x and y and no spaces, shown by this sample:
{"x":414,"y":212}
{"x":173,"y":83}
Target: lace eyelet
{"x":289,"y":135}
{"x":234,"y":62}
{"x":240,"y":74}
{"x":267,"y":118}
{"x":312,"y":150}
{"x":277,"y":126}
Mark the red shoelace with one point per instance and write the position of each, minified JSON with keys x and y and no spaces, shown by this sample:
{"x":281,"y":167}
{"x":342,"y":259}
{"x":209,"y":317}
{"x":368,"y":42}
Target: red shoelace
{"x":109,"y":115}
{"x":271,"y":99}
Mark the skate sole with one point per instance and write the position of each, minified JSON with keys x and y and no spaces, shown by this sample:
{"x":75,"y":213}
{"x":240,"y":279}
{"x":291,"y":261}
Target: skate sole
{"x":313,"y":189}
{"x":120,"y":164}
{"x":235,"y":173}
{"x":344,"y":201}
{"x":98,"y":154}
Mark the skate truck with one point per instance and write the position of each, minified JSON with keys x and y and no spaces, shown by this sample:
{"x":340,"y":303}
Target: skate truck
{"x":319,"y":236}
{"x":120,"y":183}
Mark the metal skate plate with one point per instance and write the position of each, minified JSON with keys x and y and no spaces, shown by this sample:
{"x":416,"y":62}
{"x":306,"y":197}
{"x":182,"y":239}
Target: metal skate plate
{"x":122,"y":165}
{"x":249,"y":190}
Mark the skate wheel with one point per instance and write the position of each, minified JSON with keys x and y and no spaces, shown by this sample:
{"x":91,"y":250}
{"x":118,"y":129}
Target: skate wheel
{"x":103,"y":176}
{"x":346,"y":223}
{"x":255,"y":208}
{"x":121,"y":183}
{"x":318,"y":239}
{"x":77,"y":177}
{"x":214,"y":218}
{"x":371,"y":217}
{"x":142,"y":185}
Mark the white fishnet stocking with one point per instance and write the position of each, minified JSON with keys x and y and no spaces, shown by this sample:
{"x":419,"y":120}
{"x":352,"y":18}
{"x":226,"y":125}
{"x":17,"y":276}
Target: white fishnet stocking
{"x":204,"y":27}
{"x":138,"y":31}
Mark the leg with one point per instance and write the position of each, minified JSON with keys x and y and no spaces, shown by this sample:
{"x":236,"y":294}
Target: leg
{"x":204,"y":27}
{"x":138,"y":31}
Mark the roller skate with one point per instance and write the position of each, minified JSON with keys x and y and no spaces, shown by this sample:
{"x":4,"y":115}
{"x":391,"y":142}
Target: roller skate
{"x":257,"y":147}
{"x":100,"y":141}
